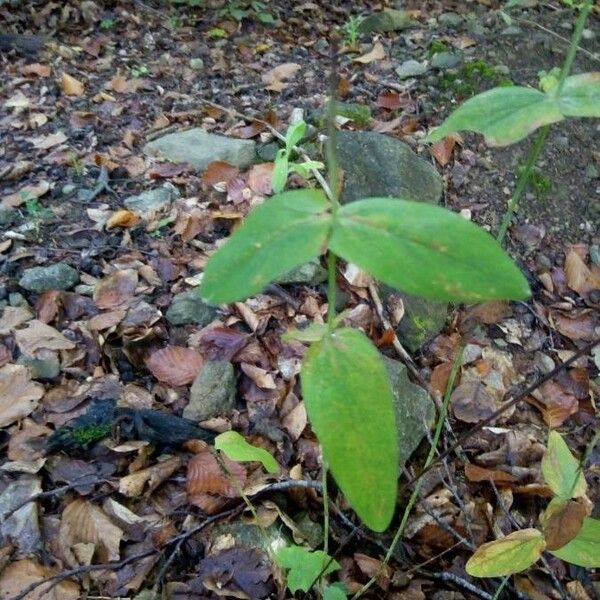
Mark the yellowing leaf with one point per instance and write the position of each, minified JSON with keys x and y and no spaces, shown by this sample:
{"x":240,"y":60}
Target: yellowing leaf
{"x":583,"y":550}
{"x":561,"y":522}
{"x":508,"y":555}
{"x":377,"y":53}
{"x":561,"y":470}
{"x":123,"y":218}
{"x":71,"y":86}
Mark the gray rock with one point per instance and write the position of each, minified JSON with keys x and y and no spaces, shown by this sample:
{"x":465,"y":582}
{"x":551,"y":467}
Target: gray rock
{"x":415,"y":410}
{"x":59,"y":276}
{"x":423,"y":319}
{"x":213,"y":391}
{"x":199,"y":148}
{"x":446,"y":60}
{"x":8,"y":215}
{"x":188,"y":307}
{"x":197,"y":64}
{"x":150,"y":202}
{"x":17,"y":299}
{"x":310,"y":273}
{"x":595,"y":253}
{"x":376,"y":165}
{"x":450,"y":19}
{"x":386,"y":20}
{"x":411,"y":68}
{"x":41,"y":368}
{"x":249,"y":535}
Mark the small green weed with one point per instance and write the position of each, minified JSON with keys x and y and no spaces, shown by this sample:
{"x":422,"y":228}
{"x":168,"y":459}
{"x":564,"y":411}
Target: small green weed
{"x":140,"y":71}
{"x":106,"y":24}
{"x":244,"y":9}
{"x":436,"y":47}
{"x":351,"y":31}
{"x":540,"y":183}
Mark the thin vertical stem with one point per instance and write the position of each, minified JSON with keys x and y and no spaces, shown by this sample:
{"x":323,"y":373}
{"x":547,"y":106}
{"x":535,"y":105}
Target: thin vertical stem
{"x":325,"y":511}
{"x":536,"y":149}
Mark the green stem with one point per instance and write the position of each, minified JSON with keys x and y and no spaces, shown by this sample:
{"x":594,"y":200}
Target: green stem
{"x":331,"y":289}
{"x":501,"y":587}
{"x":536,"y":149}
{"x":415,"y":494}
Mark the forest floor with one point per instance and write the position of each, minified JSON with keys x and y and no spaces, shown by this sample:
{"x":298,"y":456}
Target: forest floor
{"x":135,"y":517}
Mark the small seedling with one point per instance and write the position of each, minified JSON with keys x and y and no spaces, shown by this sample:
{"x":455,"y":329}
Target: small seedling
{"x":140,"y":71}
{"x":106,"y":24}
{"x":283,"y":166}
{"x":351,"y":31}
{"x":567,"y":530}
{"x":161,"y":228}
{"x":241,"y":9}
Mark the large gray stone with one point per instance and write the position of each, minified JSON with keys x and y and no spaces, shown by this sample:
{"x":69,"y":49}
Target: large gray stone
{"x":148,"y":203}
{"x":423,"y":319}
{"x":199,"y":148}
{"x":188,"y":307}
{"x":213,"y":391}
{"x":376,"y":165}
{"x":415,"y":410}
{"x":59,"y":276}
{"x":386,"y":20}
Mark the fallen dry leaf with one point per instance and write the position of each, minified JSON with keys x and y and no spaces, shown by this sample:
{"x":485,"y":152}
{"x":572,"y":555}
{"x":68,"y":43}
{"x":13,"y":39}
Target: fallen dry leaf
{"x":219,"y":172}
{"x":43,"y":142}
{"x":260,"y":178}
{"x":472,"y":402}
{"x":262,"y":378}
{"x":71,"y":86}
{"x":20,"y":574}
{"x":377,"y":53}
{"x":392,"y":100}
{"x":116,"y":289}
{"x":18,"y":394}
{"x":275,"y":78}
{"x":555,"y":403}
{"x":36,"y":190}
{"x":578,"y":275}
{"x":123,"y":218}
{"x":175,"y":365}
{"x":83,"y":522}
{"x":133,"y":485}
{"x":442,"y":150}
{"x":106,"y":320}
{"x":36,"y":70}
{"x":477,"y":473}
{"x":561,"y":522}
{"x":38,"y":335}
{"x":12,"y":317}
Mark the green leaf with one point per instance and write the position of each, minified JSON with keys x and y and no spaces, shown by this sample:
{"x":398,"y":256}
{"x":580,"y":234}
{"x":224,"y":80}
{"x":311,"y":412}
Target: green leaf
{"x":304,"y":566}
{"x":335,"y":591}
{"x":425,"y":250}
{"x":351,"y":409}
{"x":313,"y":333}
{"x":506,"y":115}
{"x":561,"y":470}
{"x":304,"y":169}
{"x":280,"y":172}
{"x":294,"y":134}
{"x":237,"y":448}
{"x":584,"y":549}
{"x":278,"y":235}
{"x":511,"y":554}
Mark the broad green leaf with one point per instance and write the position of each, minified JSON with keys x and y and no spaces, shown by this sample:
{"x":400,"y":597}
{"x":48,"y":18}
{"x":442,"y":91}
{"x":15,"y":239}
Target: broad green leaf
{"x":508,"y":555}
{"x":304,"y":566}
{"x":237,"y":448}
{"x":313,"y":333}
{"x":280,"y":172}
{"x":294,"y":134}
{"x":425,"y":250}
{"x":506,"y":115}
{"x":561,"y":470}
{"x":584,"y":549}
{"x":278,"y":235}
{"x":304,"y":169}
{"x":335,"y":591}
{"x":351,"y":409}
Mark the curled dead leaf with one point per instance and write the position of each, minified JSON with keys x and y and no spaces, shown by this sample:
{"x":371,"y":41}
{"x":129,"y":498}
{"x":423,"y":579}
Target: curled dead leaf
{"x":18,"y":394}
{"x":123,"y":218}
{"x":376,"y":53}
{"x":275,"y":78}
{"x":175,"y":365}
{"x":133,"y":485}
{"x":116,"y":289}
{"x":37,"y":335}
{"x":20,"y":574}
{"x":71,"y":86}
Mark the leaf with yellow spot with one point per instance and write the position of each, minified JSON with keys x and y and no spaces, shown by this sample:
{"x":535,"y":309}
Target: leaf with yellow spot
{"x":425,"y":250}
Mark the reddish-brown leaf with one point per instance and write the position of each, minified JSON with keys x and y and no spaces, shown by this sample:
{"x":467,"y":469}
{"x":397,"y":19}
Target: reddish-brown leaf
{"x":259,"y":179}
{"x":175,"y":365}
{"x":392,"y":100}
{"x":219,"y":171}
{"x":477,"y":473}
{"x":442,"y":150}
{"x":555,"y":403}
{"x":167,"y":169}
{"x":561,"y":522}
{"x":580,"y":326}
{"x":123,"y":218}
{"x":116,"y":289}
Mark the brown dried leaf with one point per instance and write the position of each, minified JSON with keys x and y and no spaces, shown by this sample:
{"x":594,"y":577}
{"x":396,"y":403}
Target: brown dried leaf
{"x":20,"y":574}
{"x":555,"y":403}
{"x":562,"y":521}
{"x":123,"y":218}
{"x":376,"y":53}
{"x":38,"y":335}
{"x":260,"y":377}
{"x":371,"y":567}
{"x":578,"y":275}
{"x":106,"y":320}
{"x":472,"y":402}
{"x":392,"y":100}
{"x":580,"y":327}
{"x":275,"y":78}
{"x":36,"y":70}
{"x":167,"y":170}
{"x":477,"y":473}
{"x":116,"y":289}
{"x":133,"y":485}
{"x":259,"y":178}
{"x":85,"y":523}
{"x":442,"y":150}
{"x":219,"y":171}
{"x":47,"y":305}
{"x":206,"y":476}
{"x":175,"y":365}
{"x":12,"y":317}
{"x":71,"y":86}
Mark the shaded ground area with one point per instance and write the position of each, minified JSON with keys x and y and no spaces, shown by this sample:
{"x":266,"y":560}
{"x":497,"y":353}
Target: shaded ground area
{"x":113,"y":314}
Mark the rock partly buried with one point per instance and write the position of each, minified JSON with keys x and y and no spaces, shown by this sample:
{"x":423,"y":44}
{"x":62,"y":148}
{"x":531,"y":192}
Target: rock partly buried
{"x":147,"y":204}
{"x":199,"y":148}
{"x":386,"y":20}
{"x":188,"y":307}
{"x":376,"y":165}
{"x":414,"y":409}
{"x":213,"y":391}
{"x":309,"y":273}
{"x":59,"y":276}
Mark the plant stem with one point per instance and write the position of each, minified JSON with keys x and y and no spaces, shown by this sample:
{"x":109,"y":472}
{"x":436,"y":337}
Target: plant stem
{"x":325,"y":509}
{"x":415,"y":494}
{"x":536,"y":149}
{"x":331,"y":289}
{"x":501,"y":587}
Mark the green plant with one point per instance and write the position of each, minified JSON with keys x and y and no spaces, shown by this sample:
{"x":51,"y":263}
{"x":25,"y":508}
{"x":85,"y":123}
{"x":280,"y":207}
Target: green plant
{"x":140,"y":71}
{"x":567,"y":530}
{"x":107,"y":24}
{"x":351,"y":31}
{"x":283,"y":166}
{"x":506,"y":115}
{"x":247,"y":9}
{"x":160,"y":230}
{"x":436,"y":47}
{"x":541,"y":183}
{"x":77,"y":165}
{"x":421,"y":249}
{"x":36,"y":213}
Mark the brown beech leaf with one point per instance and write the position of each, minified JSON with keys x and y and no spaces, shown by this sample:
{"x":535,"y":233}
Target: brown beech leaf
{"x":20,"y":574}
{"x":12,"y":317}
{"x":392,"y":100}
{"x":38,"y":335}
{"x":175,"y":365}
{"x":116,"y":289}
{"x":123,"y":218}
{"x":106,"y":320}
{"x":219,"y":171}
{"x":562,"y":521}
{"x":133,"y":485}
{"x":477,"y":473}
{"x":36,"y":70}
{"x":167,"y":169}
{"x":581,"y":326}
{"x":262,"y":378}
{"x":442,"y":150}
{"x":259,"y":178}
{"x":555,"y":403}
{"x":80,"y":119}
{"x":18,"y":394}
{"x":578,"y":275}
{"x":71,"y":86}
{"x":275,"y":78}
{"x":83,"y":522}
{"x":471,"y":402}
{"x":376,"y":53}
{"x":489,"y":312}
{"x":47,"y":305}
